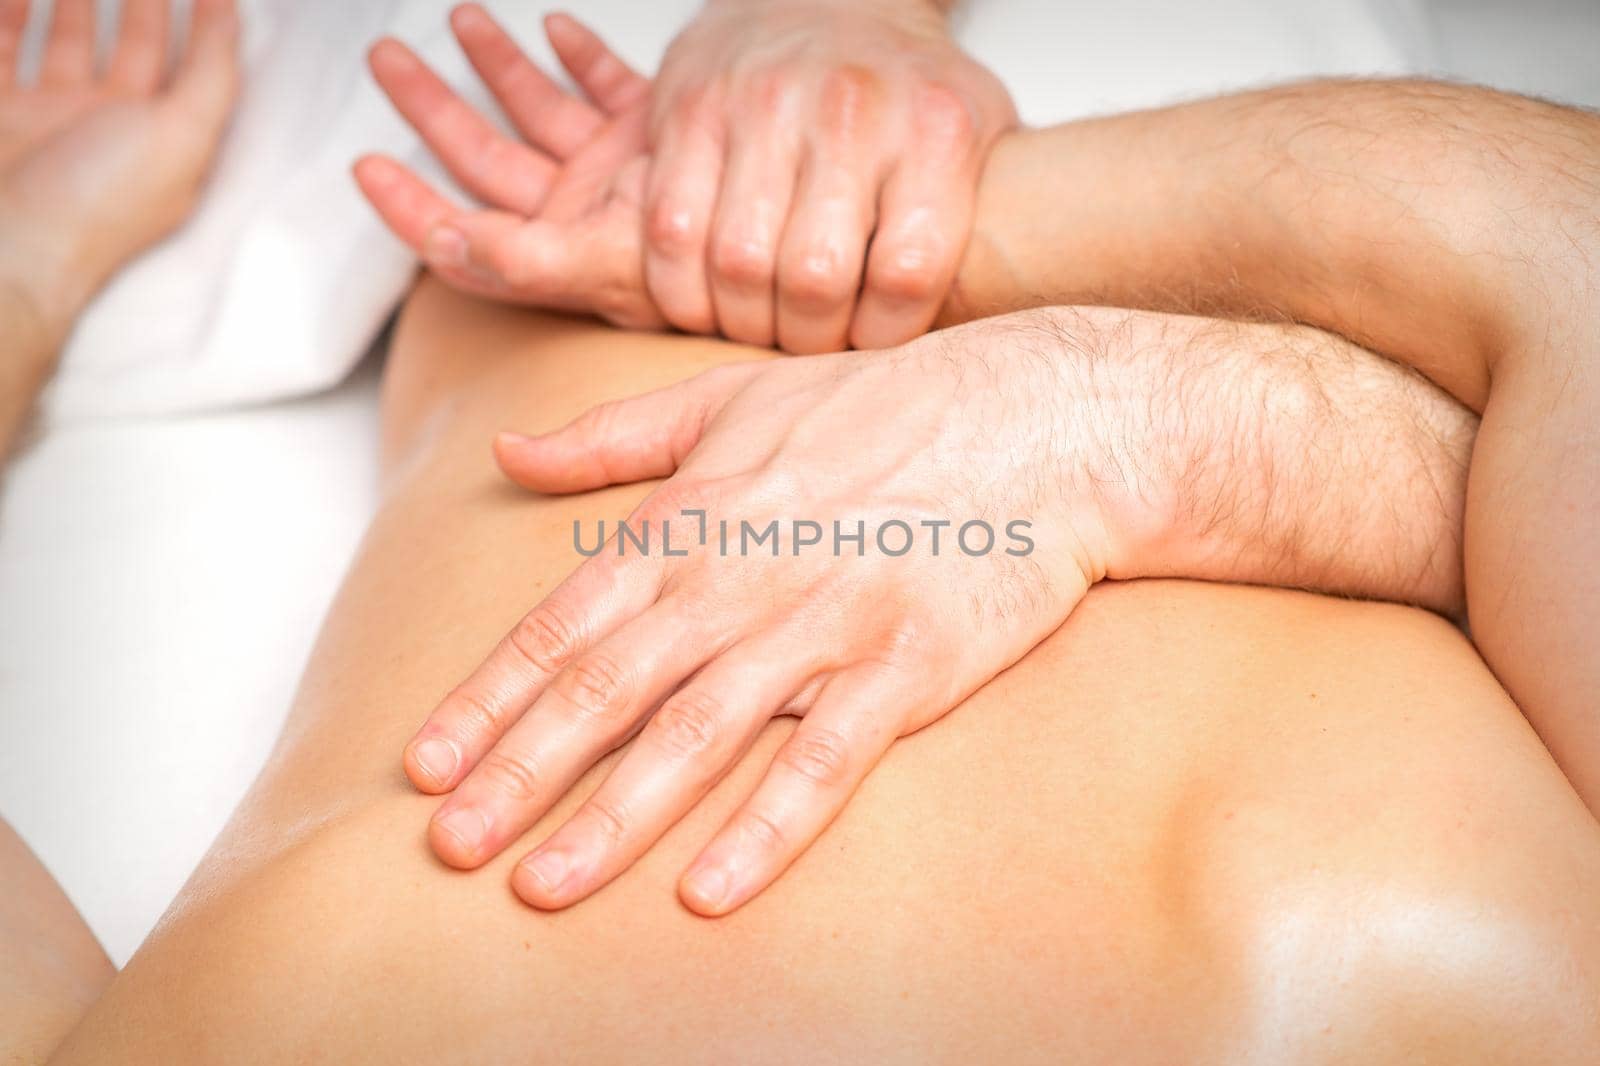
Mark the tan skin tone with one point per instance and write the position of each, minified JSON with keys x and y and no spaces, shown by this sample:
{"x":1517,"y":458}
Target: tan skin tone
{"x":1217,"y":223}
{"x":1199,"y":822}
{"x":297,"y":887}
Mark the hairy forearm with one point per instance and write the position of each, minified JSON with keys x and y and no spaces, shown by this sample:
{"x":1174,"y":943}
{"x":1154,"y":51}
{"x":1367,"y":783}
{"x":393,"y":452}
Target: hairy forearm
{"x":1454,"y":230}
{"x":1326,"y":203}
{"x":1264,"y":454}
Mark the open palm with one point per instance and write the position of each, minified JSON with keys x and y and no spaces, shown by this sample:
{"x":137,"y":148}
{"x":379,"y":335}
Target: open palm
{"x":98,"y":164}
{"x":561,"y":221}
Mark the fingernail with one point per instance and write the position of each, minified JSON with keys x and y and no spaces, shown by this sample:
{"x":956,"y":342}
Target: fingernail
{"x":447,"y":246}
{"x":508,"y":439}
{"x":436,"y":758}
{"x":710,"y":886}
{"x":550,"y":868}
{"x":467,"y":826}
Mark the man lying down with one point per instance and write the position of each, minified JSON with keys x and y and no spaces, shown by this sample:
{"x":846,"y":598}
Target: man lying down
{"x":1075,"y":681}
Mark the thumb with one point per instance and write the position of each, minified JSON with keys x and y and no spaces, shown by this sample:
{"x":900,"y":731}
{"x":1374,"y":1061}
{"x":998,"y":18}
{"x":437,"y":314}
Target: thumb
{"x":525,"y":260}
{"x":617,"y":443}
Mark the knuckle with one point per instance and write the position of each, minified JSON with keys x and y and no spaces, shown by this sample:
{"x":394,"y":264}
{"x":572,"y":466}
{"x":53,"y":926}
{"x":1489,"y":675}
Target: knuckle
{"x":545,"y":638}
{"x":690,"y":724}
{"x":742,"y":260}
{"x":849,"y":94}
{"x":599,"y":424}
{"x":944,"y":117}
{"x":610,"y":819}
{"x":512,"y":777}
{"x":819,"y":277}
{"x":821,"y":757}
{"x":517,"y":266}
{"x":474,"y":715}
{"x":675,"y":496}
{"x":764,"y":832}
{"x":673,"y":228}
{"x":909,"y":272}
{"x":597,"y":686}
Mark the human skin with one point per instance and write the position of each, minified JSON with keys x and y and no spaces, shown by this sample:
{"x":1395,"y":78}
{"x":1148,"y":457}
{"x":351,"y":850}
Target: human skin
{"x":813,"y":169}
{"x":789,"y":133}
{"x":1450,"y":228}
{"x":1130,"y":445}
{"x":96,"y":165}
{"x":51,"y":967}
{"x":1198,"y":822}
{"x":1390,"y":212}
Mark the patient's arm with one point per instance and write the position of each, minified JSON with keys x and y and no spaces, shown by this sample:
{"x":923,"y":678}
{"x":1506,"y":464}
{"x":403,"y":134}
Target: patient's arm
{"x":1451,"y":228}
{"x":96,"y":166}
{"x":51,"y":967}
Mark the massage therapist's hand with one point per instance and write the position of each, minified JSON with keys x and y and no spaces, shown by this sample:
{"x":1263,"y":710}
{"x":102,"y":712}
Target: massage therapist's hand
{"x":561,"y":222}
{"x":564,"y":221}
{"x":980,"y":498}
{"x":815,"y":168}
{"x":98,"y":161}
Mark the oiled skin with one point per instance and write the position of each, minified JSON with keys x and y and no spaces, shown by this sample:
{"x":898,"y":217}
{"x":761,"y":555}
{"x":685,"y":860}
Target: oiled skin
{"x":1199,"y":823}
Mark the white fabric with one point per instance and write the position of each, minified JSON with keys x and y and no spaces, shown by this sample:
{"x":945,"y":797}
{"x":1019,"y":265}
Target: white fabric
{"x":160,"y":581}
{"x":283,"y":277}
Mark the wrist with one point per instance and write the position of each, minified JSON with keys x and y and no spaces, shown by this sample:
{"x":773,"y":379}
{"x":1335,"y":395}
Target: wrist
{"x":43,"y":277}
{"x":1085,"y":399}
{"x":34,"y":332}
{"x":1276,"y":455}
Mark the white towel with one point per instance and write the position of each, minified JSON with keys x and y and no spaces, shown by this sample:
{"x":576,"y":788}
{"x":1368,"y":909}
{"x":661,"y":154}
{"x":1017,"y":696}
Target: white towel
{"x":284,"y":277}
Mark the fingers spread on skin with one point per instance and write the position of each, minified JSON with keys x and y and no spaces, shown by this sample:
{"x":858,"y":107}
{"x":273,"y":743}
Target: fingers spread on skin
{"x":206,"y":81}
{"x":140,"y":57}
{"x":69,"y":50}
{"x":682,"y":751}
{"x":540,"y":109}
{"x":757,"y":188}
{"x":588,"y":709}
{"x":595,"y":599}
{"x":923,"y":220}
{"x":492,"y":167}
{"x":680,"y":196}
{"x":814,"y":774}
{"x":623,"y":441}
{"x":13,"y":23}
{"x":603,"y":76}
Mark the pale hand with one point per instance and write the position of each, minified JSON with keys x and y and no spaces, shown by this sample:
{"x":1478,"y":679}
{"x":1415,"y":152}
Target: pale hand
{"x":697,"y":651}
{"x":96,"y":165}
{"x":561,"y":223}
{"x":815,"y":168}
{"x":564,"y":219}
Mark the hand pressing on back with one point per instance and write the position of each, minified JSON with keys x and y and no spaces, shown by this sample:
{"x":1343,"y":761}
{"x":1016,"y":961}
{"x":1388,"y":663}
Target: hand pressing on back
{"x":816,"y":550}
{"x":815,"y":169}
{"x":856,"y":135}
{"x":812,"y":552}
